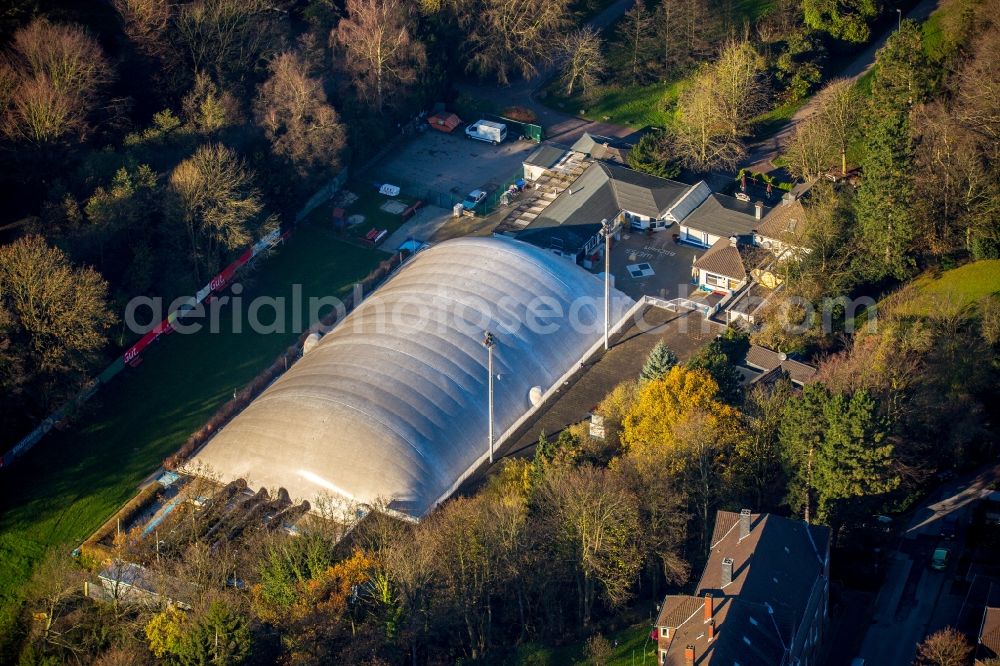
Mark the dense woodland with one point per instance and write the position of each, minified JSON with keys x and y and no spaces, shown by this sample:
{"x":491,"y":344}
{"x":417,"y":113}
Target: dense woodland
{"x":145,"y":141}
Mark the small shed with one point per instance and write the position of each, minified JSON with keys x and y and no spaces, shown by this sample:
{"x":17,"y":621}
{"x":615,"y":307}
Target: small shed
{"x":444,"y":121}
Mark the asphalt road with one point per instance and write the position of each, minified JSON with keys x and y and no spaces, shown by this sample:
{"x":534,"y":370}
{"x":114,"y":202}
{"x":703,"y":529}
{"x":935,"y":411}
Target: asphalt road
{"x":760,"y":154}
{"x":916,"y":600}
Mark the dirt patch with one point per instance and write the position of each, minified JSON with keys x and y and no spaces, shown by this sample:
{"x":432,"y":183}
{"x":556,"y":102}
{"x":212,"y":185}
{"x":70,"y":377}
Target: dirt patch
{"x":393,"y":207}
{"x":344,"y":198}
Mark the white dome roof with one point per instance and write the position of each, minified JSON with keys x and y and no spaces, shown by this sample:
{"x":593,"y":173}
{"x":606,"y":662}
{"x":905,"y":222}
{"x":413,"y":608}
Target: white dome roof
{"x":392,"y":404}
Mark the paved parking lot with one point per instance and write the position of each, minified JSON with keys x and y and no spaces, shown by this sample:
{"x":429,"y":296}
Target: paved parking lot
{"x":652,"y":264}
{"x":453,"y":164}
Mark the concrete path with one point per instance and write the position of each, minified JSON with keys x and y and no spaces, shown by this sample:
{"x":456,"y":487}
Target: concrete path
{"x":760,"y":154}
{"x":421,"y":227}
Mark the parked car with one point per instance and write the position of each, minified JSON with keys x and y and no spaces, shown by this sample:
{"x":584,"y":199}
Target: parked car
{"x":473,"y":199}
{"x":940,"y":559}
{"x":488,"y":131}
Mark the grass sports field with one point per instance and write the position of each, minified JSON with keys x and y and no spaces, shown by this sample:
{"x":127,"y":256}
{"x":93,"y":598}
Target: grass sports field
{"x":72,"y":481}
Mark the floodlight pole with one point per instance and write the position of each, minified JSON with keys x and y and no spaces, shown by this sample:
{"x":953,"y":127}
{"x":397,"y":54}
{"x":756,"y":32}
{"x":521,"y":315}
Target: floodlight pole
{"x":489,"y":342}
{"x":606,"y":232}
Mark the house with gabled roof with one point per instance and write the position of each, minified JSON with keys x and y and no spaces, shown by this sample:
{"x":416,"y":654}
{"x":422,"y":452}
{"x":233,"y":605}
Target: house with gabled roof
{"x":783,"y":229}
{"x":571,"y":224}
{"x":729,"y":265}
{"x":762,"y":599}
{"x":718,"y":216}
{"x":988,"y":641}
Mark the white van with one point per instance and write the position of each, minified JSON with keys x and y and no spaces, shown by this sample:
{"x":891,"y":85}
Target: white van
{"x":485,"y":130}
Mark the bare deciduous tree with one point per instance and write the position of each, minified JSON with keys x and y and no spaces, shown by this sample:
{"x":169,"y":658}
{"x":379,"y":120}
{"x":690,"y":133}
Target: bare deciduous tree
{"x":301,"y":126}
{"x":581,"y":59}
{"x":703,"y":139}
{"x":214,"y":198}
{"x":635,"y":31}
{"x":738,"y":85}
{"x":379,"y":53}
{"x":810,"y":150}
{"x":946,"y":647}
{"x":226,"y":38}
{"x":57,"y":312}
{"x":597,"y":518}
{"x":716,"y":109}
{"x":511,"y":36}
{"x":837,"y":105}
{"x":145,"y":23}
{"x":49,"y":82}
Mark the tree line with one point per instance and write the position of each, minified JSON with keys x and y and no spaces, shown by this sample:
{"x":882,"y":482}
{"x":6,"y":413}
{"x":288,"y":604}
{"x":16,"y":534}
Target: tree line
{"x":144,"y":142}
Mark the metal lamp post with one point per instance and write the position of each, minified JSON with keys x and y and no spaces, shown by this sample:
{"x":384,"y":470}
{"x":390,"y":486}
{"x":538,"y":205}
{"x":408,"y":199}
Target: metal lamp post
{"x":899,"y":22}
{"x":606,"y":228}
{"x":489,"y":342}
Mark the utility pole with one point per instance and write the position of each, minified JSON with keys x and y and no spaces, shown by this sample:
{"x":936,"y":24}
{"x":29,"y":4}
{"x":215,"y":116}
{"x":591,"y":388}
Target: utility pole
{"x":489,"y":342}
{"x":606,"y":232}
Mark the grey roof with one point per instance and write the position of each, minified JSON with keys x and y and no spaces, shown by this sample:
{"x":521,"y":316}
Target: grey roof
{"x":392,"y":404}
{"x":785,"y":222}
{"x":767,"y":359}
{"x":775,"y":569}
{"x":601,"y":192}
{"x":723,"y":258}
{"x":607,"y":148}
{"x":691,"y":200}
{"x":722,"y":215}
{"x":545,"y":156}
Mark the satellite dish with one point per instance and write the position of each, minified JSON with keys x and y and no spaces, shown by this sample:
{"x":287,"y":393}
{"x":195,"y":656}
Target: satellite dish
{"x":783,"y":356}
{"x":311,"y":341}
{"x":535,"y":395}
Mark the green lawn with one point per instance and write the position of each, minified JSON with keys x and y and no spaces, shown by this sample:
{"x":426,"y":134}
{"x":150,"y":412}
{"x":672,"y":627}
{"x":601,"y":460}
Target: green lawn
{"x":768,"y":124}
{"x":631,"y":106}
{"x":72,"y":481}
{"x":942,"y":29}
{"x":634,"y":649}
{"x":964,"y":285}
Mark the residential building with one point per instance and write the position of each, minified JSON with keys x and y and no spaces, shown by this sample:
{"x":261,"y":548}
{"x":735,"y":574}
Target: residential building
{"x":718,"y":216}
{"x":729,"y":265}
{"x":571,"y":224}
{"x":762,"y":599}
{"x":767,"y":362}
{"x":783,"y":229}
{"x":988,"y":644}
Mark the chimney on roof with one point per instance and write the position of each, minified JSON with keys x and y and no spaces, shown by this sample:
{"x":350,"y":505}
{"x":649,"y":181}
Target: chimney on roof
{"x":689,"y":655}
{"x":727,"y":572}
{"x":744,"y":524}
{"x":733,"y":240}
{"x":709,"y":607}
{"x":711,"y":630}
{"x":787,"y":198}
{"x":759,"y":209}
